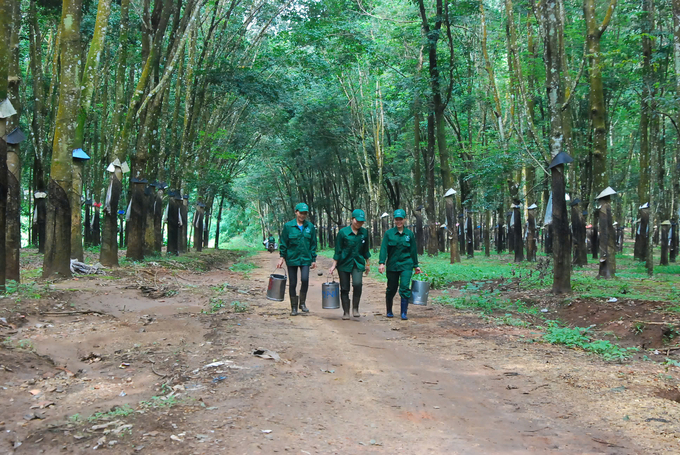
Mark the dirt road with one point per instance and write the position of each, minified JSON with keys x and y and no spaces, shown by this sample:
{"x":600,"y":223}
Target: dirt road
{"x":439,"y":383}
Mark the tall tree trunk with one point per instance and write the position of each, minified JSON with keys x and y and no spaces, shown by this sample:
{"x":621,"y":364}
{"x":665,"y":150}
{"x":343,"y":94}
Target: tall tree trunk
{"x":642,"y":243}
{"x":553,"y":33}
{"x":58,"y":245}
{"x":675,"y":239}
{"x":90,"y":72}
{"x":109,"y":247}
{"x":5,"y":56}
{"x":219,"y":223}
{"x":594,"y":32}
{"x":13,"y":232}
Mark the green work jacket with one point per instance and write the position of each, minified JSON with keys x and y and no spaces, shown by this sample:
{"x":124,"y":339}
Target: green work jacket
{"x":351,"y":250}
{"x":298,"y":247}
{"x":399,"y":251}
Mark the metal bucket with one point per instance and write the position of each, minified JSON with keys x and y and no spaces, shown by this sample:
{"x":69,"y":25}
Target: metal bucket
{"x":330,"y":295}
{"x":419,"y":292}
{"x":277,"y":287}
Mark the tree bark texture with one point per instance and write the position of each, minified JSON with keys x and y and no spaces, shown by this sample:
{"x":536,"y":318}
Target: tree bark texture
{"x":158,"y":222}
{"x":58,"y":245}
{"x":607,"y":241}
{"x":109,"y":248}
{"x":135,"y":232}
{"x":173,"y":226}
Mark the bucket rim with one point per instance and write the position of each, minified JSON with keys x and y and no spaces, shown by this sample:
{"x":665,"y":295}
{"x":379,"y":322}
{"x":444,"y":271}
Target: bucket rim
{"x":277,"y":276}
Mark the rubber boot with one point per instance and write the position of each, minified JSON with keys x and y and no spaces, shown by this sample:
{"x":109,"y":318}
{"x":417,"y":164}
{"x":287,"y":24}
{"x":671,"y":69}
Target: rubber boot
{"x":345,"y":306}
{"x":294,"y":306}
{"x":303,"y":307}
{"x":388,"y":304}
{"x":355,"y":308}
{"x":404,"y":308}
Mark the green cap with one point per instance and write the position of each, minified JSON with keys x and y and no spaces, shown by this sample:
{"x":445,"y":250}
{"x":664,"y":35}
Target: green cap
{"x":359,"y":215}
{"x":301,"y":207}
{"x":399,"y":213}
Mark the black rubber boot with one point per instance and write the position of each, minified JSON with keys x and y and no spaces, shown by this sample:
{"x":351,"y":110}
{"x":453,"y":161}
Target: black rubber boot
{"x":345,"y":306}
{"x":303,"y":307}
{"x":388,"y":305}
{"x":404,"y":309}
{"x":293,"y":306}
{"x":355,"y":308}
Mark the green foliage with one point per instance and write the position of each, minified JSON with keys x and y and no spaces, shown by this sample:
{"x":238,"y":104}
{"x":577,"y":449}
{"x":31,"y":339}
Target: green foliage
{"x":215,"y":305}
{"x":118,"y":411}
{"x":161,"y":402}
{"x":243,"y":267}
{"x":239,"y":307}
{"x":577,"y":338}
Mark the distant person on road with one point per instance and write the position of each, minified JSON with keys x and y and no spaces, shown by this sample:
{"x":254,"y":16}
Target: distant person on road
{"x":399,"y":255}
{"x":351,"y":260}
{"x":271,"y":243}
{"x":297,"y":247}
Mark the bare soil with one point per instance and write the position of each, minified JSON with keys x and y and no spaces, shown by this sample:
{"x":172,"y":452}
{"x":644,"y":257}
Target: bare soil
{"x":159,"y":359}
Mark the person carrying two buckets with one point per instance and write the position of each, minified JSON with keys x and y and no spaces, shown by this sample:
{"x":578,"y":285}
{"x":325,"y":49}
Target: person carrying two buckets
{"x":399,"y":255}
{"x":351,"y":259}
{"x":297,"y":247}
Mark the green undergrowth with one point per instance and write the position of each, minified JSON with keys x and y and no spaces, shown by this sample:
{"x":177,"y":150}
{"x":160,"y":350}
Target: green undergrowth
{"x":578,"y":338}
{"x":486,"y":301}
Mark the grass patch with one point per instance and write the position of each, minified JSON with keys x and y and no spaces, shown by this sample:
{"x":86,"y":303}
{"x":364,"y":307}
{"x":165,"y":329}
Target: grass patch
{"x":243,"y":267}
{"x":119,"y":411}
{"x":577,"y":337}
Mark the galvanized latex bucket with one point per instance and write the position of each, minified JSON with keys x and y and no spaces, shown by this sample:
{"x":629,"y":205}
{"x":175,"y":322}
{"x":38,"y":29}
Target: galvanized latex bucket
{"x":277,"y":287}
{"x":330,"y":295}
{"x":419,"y":292}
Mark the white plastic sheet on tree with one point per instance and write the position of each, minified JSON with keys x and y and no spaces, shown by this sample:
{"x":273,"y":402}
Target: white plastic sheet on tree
{"x":548,"y":212}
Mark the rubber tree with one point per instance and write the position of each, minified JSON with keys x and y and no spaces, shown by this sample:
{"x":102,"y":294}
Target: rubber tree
{"x":90,"y":71}
{"x":675,"y":240}
{"x":552,"y":30}
{"x":109,"y":246}
{"x":13,"y":227}
{"x":594,"y":32}
{"x":5,"y":31}
{"x":58,"y":232}
{"x":642,"y":244}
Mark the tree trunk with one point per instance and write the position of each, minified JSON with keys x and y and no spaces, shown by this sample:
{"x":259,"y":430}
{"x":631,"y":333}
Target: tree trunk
{"x":641,"y":242}
{"x":607,"y":241}
{"x":13,"y":232}
{"x":420,"y":237}
{"x":470,"y":236}
{"x":58,"y":244}
{"x":109,"y":245}
{"x":96,"y":230}
{"x":158,"y":222}
{"x":552,"y":28}
{"x":149,"y":220}
{"x":219,"y":222}
{"x":135,"y":227}
{"x":184,"y":228}
{"x":487,"y":234}
{"x":531,"y":237}
{"x":198,"y":229}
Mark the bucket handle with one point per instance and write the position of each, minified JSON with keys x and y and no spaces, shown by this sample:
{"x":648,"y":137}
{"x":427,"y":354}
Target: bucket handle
{"x":285,"y":271}
{"x":330,"y":275}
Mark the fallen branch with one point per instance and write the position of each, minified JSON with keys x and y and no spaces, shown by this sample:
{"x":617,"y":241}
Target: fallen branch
{"x":366,"y":346}
{"x":157,"y":373}
{"x":64,"y":313}
{"x":536,"y":388}
{"x":607,"y":443}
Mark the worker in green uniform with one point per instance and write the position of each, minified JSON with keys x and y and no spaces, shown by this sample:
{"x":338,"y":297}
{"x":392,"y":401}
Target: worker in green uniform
{"x":297,"y":247}
{"x":399,"y":254}
{"x":351,"y":259}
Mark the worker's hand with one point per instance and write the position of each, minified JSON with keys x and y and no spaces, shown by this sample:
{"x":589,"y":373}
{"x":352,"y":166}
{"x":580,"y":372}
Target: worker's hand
{"x":331,"y":270}
{"x":381,"y":268}
{"x":368,"y":269}
{"x":418,"y":270}
{"x":313,"y":265}
{"x":280,"y":263}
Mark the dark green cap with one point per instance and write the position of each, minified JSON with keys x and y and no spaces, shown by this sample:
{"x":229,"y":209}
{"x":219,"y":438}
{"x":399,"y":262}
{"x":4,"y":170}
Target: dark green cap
{"x":399,"y":213}
{"x":301,"y":207}
{"x":359,"y":215}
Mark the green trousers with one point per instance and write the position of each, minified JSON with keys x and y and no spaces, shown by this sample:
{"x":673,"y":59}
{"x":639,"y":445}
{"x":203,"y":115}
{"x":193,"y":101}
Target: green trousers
{"x":399,"y":280}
